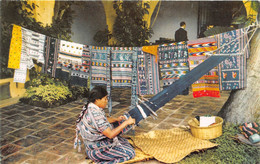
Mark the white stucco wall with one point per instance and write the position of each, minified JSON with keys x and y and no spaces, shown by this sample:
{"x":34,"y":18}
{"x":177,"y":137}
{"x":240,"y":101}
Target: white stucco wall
{"x":171,"y":14}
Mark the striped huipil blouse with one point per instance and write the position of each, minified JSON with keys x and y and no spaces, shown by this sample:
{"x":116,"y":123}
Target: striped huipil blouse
{"x":100,"y":148}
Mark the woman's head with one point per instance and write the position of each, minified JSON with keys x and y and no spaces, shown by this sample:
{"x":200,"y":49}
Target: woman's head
{"x":98,"y":96}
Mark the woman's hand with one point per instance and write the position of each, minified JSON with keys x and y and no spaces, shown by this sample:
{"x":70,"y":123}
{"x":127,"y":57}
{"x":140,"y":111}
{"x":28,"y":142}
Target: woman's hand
{"x":130,"y":121}
{"x":121,"y":118}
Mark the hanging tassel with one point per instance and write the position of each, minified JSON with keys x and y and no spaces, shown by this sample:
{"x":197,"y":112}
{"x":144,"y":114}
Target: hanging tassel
{"x":79,"y":148}
{"x":76,"y":139}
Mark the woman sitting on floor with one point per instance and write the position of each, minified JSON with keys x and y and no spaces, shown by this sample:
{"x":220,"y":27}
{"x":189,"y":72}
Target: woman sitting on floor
{"x":101,"y":140}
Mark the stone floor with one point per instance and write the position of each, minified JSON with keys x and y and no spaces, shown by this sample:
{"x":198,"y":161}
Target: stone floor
{"x":35,"y":135}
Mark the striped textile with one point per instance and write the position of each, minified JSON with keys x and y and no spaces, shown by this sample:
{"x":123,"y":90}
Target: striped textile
{"x":148,"y":74}
{"x":173,"y":62}
{"x":134,"y":86}
{"x":70,"y":53}
{"x":208,"y":84}
{"x":80,"y":73}
{"x":51,"y":55}
{"x":121,"y":63}
{"x":15,"y":48}
{"x":108,"y":75}
{"x":98,"y":65}
{"x":117,"y":154}
{"x":233,"y":69}
{"x":34,"y":43}
{"x":69,"y":61}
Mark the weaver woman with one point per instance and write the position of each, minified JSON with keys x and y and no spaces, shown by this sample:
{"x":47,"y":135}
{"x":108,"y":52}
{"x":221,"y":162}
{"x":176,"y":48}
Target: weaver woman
{"x":101,"y":139}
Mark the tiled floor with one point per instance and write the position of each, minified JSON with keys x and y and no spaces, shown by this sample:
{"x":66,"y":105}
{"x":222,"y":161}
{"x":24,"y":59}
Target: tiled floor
{"x":35,"y":135}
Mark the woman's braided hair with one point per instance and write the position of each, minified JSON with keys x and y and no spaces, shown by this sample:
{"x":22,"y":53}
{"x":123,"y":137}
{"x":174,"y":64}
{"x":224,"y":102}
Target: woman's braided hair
{"x":98,"y":92}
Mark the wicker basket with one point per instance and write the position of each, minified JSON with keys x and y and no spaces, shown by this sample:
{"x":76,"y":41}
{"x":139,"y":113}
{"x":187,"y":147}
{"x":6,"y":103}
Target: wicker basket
{"x":210,"y":132}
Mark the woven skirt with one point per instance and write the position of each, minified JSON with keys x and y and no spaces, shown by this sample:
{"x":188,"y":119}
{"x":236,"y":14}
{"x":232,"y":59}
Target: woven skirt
{"x":110,"y":155}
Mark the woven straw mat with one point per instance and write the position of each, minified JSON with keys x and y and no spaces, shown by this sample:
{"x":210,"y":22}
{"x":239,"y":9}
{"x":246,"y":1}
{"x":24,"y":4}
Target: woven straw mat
{"x":170,"y":146}
{"x":139,"y":155}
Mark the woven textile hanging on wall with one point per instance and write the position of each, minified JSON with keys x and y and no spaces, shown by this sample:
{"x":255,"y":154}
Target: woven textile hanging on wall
{"x":233,"y":69}
{"x":147,"y":73}
{"x":173,"y":62}
{"x":208,"y":84}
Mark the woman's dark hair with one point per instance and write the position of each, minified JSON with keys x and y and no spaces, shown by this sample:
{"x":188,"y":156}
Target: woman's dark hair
{"x":98,"y":92}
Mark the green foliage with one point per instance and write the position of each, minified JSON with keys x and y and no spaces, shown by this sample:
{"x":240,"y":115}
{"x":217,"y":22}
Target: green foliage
{"x":243,"y":19}
{"x":12,"y":12}
{"x":102,"y":37}
{"x":130,"y":29}
{"x":79,"y":92}
{"x":48,"y":95}
{"x":227,"y":151}
{"x":217,"y":30}
{"x":44,"y":91}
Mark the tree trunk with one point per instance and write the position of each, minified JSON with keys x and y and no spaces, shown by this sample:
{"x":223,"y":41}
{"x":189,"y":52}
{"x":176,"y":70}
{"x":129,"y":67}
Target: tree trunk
{"x":244,"y":105}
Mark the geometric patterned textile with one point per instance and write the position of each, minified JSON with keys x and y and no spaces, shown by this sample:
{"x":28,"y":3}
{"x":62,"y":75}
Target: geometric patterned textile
{"x":108,"y":80}
{"x":134,"y":87}
{"x":51,"y":55}
{"x":70,"y":53}
{"x":121,"y":59}
{"x":171,"y":145}
{"x":233,"y":69}
{"x":200,"y":46}
{"x":148,"y":73}
{"x":33,"y":43}
{"x":15,"y":48}
{"x":173,"y":62}
{"x":208,"y":84}
{"x":98,"y":65}
{"x":80,"y":73}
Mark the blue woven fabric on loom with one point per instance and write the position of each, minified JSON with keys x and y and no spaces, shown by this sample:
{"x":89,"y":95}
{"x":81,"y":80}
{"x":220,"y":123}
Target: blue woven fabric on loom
{"x":176,"y":88}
